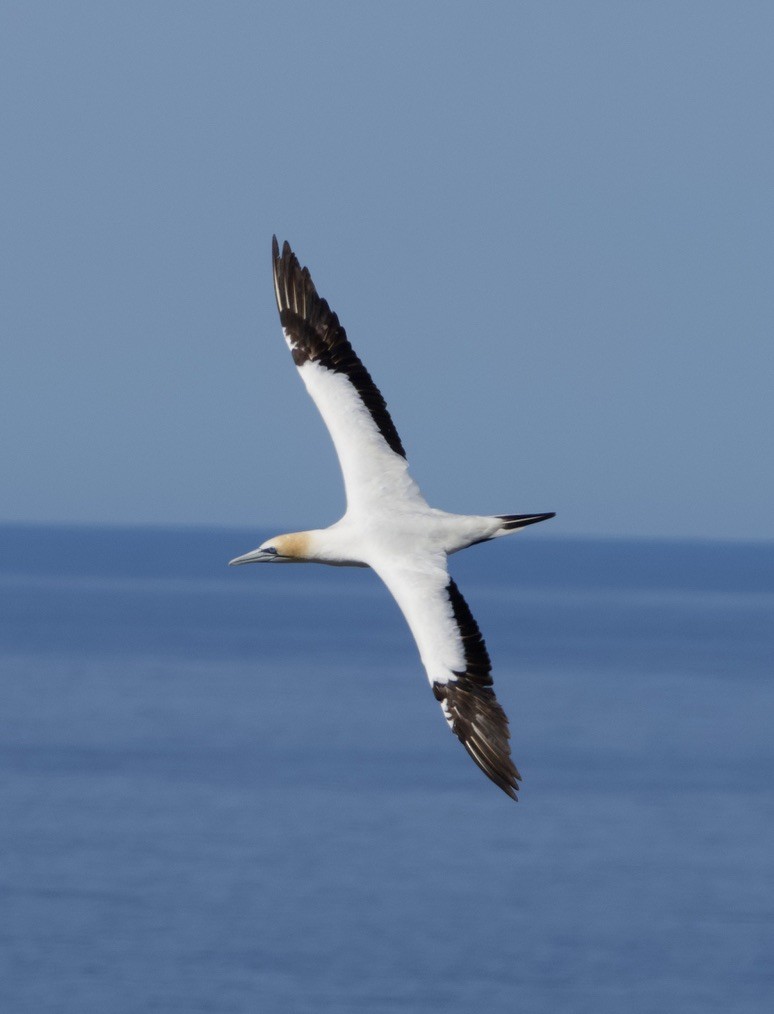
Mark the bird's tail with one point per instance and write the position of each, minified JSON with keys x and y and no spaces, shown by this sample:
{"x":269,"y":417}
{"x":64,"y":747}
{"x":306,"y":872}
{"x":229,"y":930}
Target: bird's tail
{"x":512,"y":522}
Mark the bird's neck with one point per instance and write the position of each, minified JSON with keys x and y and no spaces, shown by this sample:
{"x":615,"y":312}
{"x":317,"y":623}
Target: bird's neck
{"x":321,"y":545}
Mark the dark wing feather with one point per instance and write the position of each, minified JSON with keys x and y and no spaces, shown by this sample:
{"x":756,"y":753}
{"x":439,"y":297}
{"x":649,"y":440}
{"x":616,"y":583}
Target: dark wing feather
{"x":314,"y":333}
{"x":471,"y":707}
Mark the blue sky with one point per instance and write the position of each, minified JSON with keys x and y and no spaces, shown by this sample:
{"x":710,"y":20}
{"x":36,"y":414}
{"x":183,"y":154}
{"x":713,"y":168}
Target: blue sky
{"x":547,"y":228}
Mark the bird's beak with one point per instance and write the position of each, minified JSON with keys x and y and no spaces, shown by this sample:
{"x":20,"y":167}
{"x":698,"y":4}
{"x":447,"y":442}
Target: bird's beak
{"x":256,"y":556}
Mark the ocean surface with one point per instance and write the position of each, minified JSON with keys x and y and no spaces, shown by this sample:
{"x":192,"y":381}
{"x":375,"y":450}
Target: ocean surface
{"x":232,"y":791}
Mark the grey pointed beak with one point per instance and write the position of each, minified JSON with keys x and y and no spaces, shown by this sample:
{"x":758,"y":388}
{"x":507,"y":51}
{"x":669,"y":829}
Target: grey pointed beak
{"x":256,"y":556}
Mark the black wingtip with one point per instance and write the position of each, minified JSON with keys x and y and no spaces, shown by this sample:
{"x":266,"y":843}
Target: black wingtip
{"x":274,"y":248}
{"x":470,"y":705}
{"x":313,"y":331}
{"x":510,"y":791}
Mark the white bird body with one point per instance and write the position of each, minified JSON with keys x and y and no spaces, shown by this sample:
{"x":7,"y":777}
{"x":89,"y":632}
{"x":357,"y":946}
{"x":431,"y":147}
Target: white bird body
{"x":388,"y":524}
{"x":366,"y":538}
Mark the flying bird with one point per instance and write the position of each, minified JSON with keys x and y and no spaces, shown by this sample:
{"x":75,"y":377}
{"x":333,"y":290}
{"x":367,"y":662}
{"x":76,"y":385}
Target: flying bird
{"x":389,"y":526}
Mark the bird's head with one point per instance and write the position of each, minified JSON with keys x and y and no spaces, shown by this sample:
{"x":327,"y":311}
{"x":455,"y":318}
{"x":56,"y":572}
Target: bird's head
{"x":280,"y":549}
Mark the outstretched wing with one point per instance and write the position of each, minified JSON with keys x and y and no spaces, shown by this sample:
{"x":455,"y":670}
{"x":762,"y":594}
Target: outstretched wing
{"x":369,"y":449}
{"x":457,"y":663}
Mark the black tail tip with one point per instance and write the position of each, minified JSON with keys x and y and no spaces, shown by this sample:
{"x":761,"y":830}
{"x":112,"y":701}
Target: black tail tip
{"x":513,"y":521}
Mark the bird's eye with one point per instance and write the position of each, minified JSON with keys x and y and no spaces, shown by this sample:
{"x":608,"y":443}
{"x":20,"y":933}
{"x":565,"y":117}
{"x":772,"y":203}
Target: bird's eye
{"x":270,"y":549}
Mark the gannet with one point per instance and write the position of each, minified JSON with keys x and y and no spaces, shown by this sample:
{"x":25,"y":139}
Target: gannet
{"x":389,"y":526}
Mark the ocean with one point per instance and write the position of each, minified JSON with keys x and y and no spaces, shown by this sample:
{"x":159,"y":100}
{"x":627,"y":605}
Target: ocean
{"x":232,"y":790}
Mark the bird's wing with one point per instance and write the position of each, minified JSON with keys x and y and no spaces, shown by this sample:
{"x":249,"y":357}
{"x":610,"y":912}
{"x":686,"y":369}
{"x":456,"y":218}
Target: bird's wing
{"x":456,"y":660}
{"x":370,"y":452}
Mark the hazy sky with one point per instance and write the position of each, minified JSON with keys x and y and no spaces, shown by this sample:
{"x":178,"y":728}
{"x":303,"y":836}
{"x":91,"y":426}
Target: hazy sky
{"x":547,"y":228}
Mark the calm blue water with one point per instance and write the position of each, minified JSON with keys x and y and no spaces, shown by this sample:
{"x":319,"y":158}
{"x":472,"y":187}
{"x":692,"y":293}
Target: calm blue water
{"x":232,"y":791}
